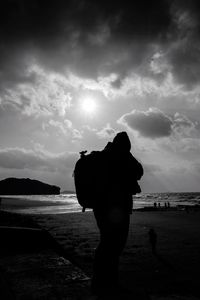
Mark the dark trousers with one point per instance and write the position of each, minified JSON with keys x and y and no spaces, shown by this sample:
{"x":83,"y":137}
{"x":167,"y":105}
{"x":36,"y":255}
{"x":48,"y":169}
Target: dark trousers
{"x":113,"y":224}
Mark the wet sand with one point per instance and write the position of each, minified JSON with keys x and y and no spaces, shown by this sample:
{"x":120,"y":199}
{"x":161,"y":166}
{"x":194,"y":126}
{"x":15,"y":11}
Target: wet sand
{"x":174,"y":270}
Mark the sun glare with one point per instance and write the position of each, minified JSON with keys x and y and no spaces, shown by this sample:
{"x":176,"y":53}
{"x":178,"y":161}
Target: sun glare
{"x":88,"y":105}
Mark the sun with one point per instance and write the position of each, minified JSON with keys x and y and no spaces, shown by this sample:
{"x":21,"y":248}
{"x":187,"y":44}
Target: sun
{"x":89,"y":106}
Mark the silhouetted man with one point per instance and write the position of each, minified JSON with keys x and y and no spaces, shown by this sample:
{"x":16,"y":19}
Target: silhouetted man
{"x":112,"y":210}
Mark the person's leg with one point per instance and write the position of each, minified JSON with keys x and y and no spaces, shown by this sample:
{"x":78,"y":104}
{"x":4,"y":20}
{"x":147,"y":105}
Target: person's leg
{"x":120,"y":228}
{"x":113,"y":225}
{"x":101,"y":264}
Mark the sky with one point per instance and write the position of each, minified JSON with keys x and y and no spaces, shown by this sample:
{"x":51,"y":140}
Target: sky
{"x":75,"y":73}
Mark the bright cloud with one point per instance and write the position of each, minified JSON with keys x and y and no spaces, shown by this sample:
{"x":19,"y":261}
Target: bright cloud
{"x":107,"y":132}
{"x":65,"y":127}
{"x":47,"y":94}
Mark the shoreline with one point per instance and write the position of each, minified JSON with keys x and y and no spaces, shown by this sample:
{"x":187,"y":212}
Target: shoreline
{"x":22,"y":208}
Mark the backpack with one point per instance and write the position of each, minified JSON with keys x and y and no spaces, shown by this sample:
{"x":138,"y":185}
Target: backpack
{"x":87,"y":174}
{"x":91,"y":174}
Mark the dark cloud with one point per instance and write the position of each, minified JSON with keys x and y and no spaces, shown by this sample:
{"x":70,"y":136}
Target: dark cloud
{"x":20,"y":159}
{"x":117,"y":83}
{"x":13,"y":67}
{"x":182,"y":48}
{"x":17,"y":158}
{"x":152,"y":123}
{"x":46,"y":19}
{"x":83,"y":35}
{"x":186,"y":63}
{"x":90,"y":37}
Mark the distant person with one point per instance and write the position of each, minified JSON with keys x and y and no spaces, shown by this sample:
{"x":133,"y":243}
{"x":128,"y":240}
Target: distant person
{"x":112,"y":213}
{"x":155,"y":205}
{"x":153,"y":240}
{"x":168,"y":204}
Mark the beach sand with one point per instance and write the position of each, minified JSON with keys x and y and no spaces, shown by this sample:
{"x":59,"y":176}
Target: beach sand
{"x":174,"y":270}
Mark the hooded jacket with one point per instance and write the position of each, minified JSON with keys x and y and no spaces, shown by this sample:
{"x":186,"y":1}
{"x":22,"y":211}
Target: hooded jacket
{"x":122,"y":171}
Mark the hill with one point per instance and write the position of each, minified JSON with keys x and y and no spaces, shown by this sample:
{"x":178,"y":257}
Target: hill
{"x":26,"y":186}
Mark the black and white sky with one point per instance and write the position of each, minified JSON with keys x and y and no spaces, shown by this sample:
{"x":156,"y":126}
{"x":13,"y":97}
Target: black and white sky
{"x":74,"y":73}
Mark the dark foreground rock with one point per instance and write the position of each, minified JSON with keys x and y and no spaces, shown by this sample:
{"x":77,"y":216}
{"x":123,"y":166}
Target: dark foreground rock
{"x":33,"y":266}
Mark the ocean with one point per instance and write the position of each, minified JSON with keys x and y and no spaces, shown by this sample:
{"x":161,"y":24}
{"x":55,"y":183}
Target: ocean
{"x":67,"y":203}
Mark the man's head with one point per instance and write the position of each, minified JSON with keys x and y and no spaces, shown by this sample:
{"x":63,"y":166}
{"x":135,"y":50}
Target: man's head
{"x":121,"y":142}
